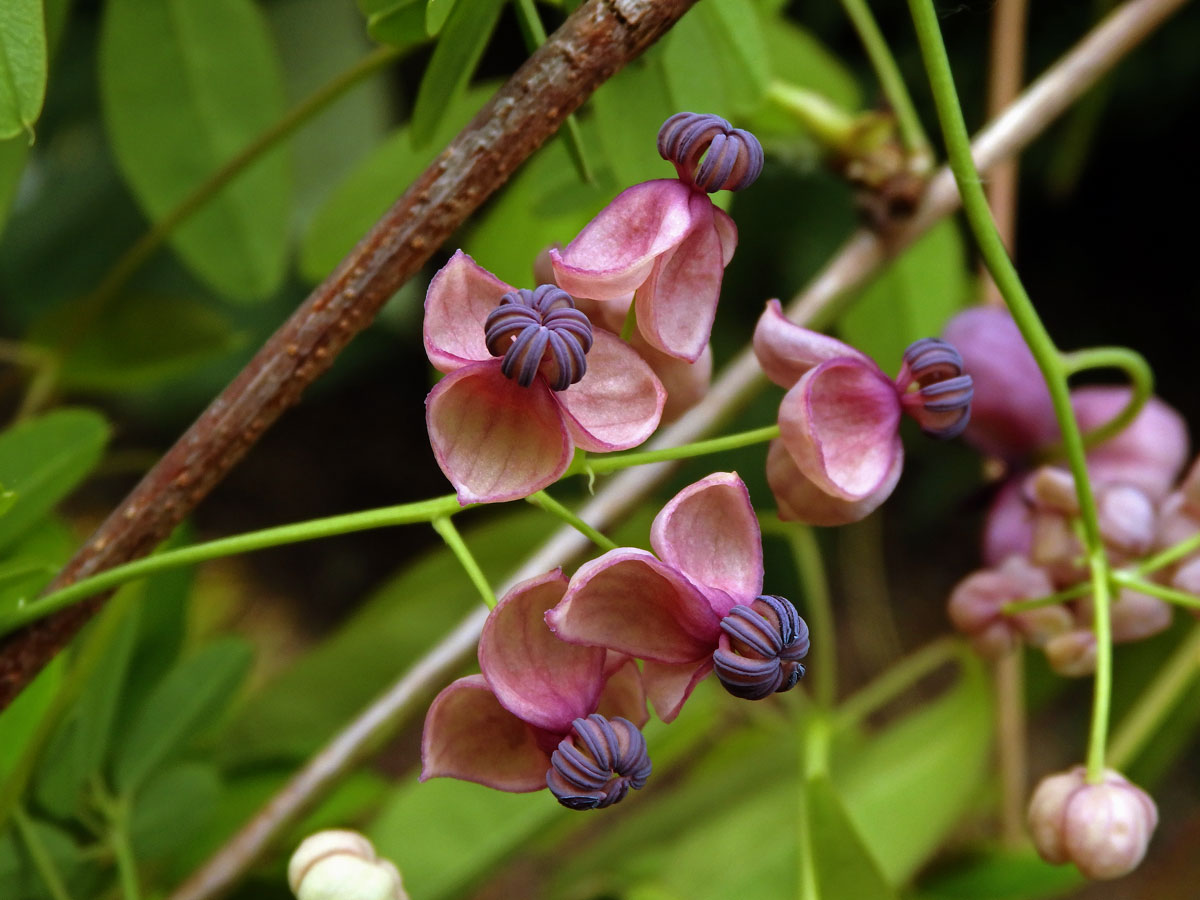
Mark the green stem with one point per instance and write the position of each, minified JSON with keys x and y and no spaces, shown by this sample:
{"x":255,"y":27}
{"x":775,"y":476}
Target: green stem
{"x":534,"y":34}
{"x":42,"y":861}
{"x":404,"y":514}
{"x":454,"y":541}
{"x":546,"y":503}
{"x":831,"y":125}
{"x":1171,"y":683}
{"x":600,"y":465}
{"x":1171,"y":555}
{"x":629,"y":326}
{"x":149,"y":243}
{"x":1171,"y":595}
{"x":1064,"y":596}
{"x":896,"y":680}
{"x":810,"y":566}
{"x":122,"y":848}
{"x":890,"y":80}
{"x":1049,"y":360}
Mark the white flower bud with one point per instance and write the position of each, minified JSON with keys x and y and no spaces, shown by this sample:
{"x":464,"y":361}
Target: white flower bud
{"x":1102,"y":828}
{"x":342,"y":865}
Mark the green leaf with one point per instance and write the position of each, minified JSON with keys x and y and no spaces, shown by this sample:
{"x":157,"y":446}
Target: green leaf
{"x":21,"y":719}
{"x":19,"y":877}
{"x":629,"y":109}
{"x":7,"y":499}
{"x":13,"y":154}
{"x":374,"y":185}
{"x":458,"y":51}
{"x":185,"y":85}
{"x":42,"y":461}
{"x":436,"y":13}
{"x":844,"y":867}
{"x":737,"y":31}
{"x":888,"y":785}
{"x":911,"y":299}
{"x":22,"y":66}
{"x":715,"y":59}
{"x":174,"y":808}
{"x":187,"y":699}
{"x":1000,"y":875}
{"x":29,"y":563}
{"x":140,"y":341}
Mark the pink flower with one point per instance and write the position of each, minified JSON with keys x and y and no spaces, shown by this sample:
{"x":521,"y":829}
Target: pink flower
{"x":528,"y":380}
{"x":538,"y":699}
{"x":839,"y":455}
{"x":665,"y":239}
{"x":696,"y":605}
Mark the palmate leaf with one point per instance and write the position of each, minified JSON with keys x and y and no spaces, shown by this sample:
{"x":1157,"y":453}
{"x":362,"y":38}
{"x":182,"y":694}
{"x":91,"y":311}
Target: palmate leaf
{"x":22,"y":66}
{"x":185,"y":85}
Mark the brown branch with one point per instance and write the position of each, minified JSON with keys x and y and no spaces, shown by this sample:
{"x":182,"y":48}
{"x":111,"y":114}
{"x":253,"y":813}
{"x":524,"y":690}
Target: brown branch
{"x":593,"y":44}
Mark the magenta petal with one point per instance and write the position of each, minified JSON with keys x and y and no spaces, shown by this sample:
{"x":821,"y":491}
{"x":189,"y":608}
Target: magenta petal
{"x":494,"y":439}
{"x":1149,"y":454}
{"x":624,"y":694}
{"x":727,"y":232}
{"x":1008,"y":528}
{"x":669,"y":685}
{"x":786,"y":351}
{"x":631,"y":602}
{"x":469,"y":735}
{"x":677,"y":304}
{"x":800,"y":500}
{"x":457,"y":304}
{"x":709,"y":532}
{"x":615,"y":252}
{"x":535,"y":676}
{"x":618,"y":403}
{"x":840,"y":423}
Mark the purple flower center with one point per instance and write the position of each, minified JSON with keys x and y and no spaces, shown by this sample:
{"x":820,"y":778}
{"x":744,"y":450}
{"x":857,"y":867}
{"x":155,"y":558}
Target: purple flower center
{"x":940,"y":399}
{"x":598,"y":762}
{"x":760,"y":648}
{"x":709,"y":153}
{"x":542,"y":326}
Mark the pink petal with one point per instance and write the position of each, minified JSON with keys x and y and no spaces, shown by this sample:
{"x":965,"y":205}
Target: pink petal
{"x":619,"y":401}
{"x":727,"y":232}
{"x":494,"y":439}
{"x":678,"y":302}
{"x":457,"y":304}
{"x":628,"y":601}
{"x":624,"y":694}
{"x":786,"y":351}
{"x":614,"y":253}
{"x":1149,"y":454}
{"x":800,"y":500}
{"x":709,"y":532}
{"x":535,"y":676}
{"x":840,"y":422}
{"x":669,"y":685}
{"x":469,"y":735}
{"x":1008,"y":528}
{"x":685,"y":382}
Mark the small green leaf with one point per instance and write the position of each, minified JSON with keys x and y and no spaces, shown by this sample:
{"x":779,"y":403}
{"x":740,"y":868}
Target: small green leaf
{"x":29,"y":563}
{"x":738,"y":35}
{"x":844,"y":866}
{"x":20,"y":720}
{"x":190,"y":696}
{"x":174,"y":808}
{"x":185,"y":85}
{"x":13,"y":154}
{"x":1000,"y":875}
{"x":42,"y":461}
{"x":19,"y":877}
{"x":458,"y":51}
{"x":911,"y":299}
{"x":436,"y":13}
{"x":7,"y":499}
{"x":22,"y":66}
{"x":629,"y":109}
{"x":401,"y":24}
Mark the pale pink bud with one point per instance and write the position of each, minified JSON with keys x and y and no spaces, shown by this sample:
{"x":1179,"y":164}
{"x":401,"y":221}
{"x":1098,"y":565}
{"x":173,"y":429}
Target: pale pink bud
{"x":342,"y":865}
{"x":1136,"y":616}
{"x":1128,"y":520}
{"x":1054,"y":489}
{"x":1072,"y":653}
{"x":975,"y":607}
{"x":1187,"y":576}
{"x":1176,"y":521}
{"x":1102,"y":828}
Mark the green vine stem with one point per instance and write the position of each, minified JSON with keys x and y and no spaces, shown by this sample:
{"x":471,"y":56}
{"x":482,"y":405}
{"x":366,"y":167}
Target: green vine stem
{"x":897,"y":679}
{"x":890,"y":81}
{"x":444,"y":527}
{"x":1049,"y":360}
{"x":546,"y":503}
{"x":616,"y":461}
{"x":1171,"y":595}
{"x":39,"y":855}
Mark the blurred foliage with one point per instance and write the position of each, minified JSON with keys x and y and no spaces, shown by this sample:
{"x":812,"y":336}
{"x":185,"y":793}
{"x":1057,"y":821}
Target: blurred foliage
{"x":162,"y":733}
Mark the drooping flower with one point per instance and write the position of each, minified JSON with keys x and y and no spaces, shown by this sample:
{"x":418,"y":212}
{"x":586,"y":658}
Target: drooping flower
{"x":696,"y":605}
{"x":528,"y":380}
{"x":542,"y":713}
{"x":839,"y":455}
{"x":665,"y":239}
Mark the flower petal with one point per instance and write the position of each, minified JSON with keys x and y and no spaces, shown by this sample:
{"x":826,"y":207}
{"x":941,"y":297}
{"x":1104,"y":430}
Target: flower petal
{"x":1149,"y":454}
{"x":685,"y":382}
{"x":800,"y":500}
{"x":469,"y":735}
{"x":626,"y":600}
{"x":615,"y":252}
{"x":840,"y":422}
{"x":619,"y":401}
{"x":708,"y":531}
{"x":678,"y":301}
{"x":727,"y":232}
{"x":457,"y":304}
{"x":494,"y":439}
{"x":535,"y":676}
{"x":669,"y":685}
{"x":1008,"y":527}
{"x":786,"y":351}
{"x":624,"y":694}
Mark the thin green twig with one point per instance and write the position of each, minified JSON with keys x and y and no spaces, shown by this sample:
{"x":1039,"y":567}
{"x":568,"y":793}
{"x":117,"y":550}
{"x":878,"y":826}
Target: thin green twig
{"x":39,"y":855}
{"x":545,"y":502}
{"x":458,"y":546}
{"x":614,"y":462}
{"x":1141,"y":585}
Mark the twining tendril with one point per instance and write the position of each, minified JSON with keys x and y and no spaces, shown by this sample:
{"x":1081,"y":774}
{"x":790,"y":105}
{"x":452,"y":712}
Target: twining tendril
{"x":941,"y":402}
{"x":710,"y":153}
{"x":761,"y":647}
{"x":598,"y":762}
{"x":530,"y":328}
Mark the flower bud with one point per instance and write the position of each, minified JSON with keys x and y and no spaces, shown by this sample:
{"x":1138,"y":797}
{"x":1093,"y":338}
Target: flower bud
{"x":1187,"y":576}
{"x":976,"y":603}
{"x":1128,"y":519}
{"x":1072,"y":654}
{"x":1102,"y":828}
{"x":342,"y":865}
